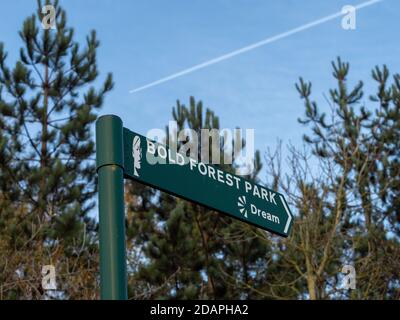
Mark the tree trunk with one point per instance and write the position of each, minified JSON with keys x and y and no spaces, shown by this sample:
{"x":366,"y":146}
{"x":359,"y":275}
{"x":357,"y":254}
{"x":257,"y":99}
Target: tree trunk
{"x":311,"y":287}
{"x":43,"y":150}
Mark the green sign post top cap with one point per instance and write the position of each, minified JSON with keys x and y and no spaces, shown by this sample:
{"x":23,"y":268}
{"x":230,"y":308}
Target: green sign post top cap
{"x":109,"y":141}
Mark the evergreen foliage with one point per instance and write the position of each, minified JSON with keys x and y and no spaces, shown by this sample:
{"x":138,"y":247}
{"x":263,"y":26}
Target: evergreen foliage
{"x":48,"y":105}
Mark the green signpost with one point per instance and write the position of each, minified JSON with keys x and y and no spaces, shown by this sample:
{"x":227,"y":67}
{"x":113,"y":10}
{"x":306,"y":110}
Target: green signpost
{"x":156,"y":165}
{"x":110,"y":169}
{"x":123,"y":153}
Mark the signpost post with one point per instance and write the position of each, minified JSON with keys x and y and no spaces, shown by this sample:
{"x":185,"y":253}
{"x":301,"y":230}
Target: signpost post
{"x":110,"y":169}
{"x":122,"y":153}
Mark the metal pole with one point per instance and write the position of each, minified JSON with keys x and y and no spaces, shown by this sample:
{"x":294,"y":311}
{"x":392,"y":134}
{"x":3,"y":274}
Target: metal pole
{"x":110,"y":169}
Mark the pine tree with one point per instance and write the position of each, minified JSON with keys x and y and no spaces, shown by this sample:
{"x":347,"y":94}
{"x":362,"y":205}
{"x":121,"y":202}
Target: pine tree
{"x":368,"y":138}
{"x":347,"y":207}
{"x":48,"y":105}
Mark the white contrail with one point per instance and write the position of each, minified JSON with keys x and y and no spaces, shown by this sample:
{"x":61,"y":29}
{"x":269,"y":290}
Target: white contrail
{"x":252,"y":46}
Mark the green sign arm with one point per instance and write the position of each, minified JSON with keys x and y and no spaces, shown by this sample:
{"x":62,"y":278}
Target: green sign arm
{"x":156,"y":165}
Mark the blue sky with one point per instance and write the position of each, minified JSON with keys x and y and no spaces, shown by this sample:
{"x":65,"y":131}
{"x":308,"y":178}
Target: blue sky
{"x":143,"y":41}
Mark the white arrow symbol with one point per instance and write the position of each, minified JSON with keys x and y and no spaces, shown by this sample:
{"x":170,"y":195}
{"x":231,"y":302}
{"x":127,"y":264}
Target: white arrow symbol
{"x":288,"y":213}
